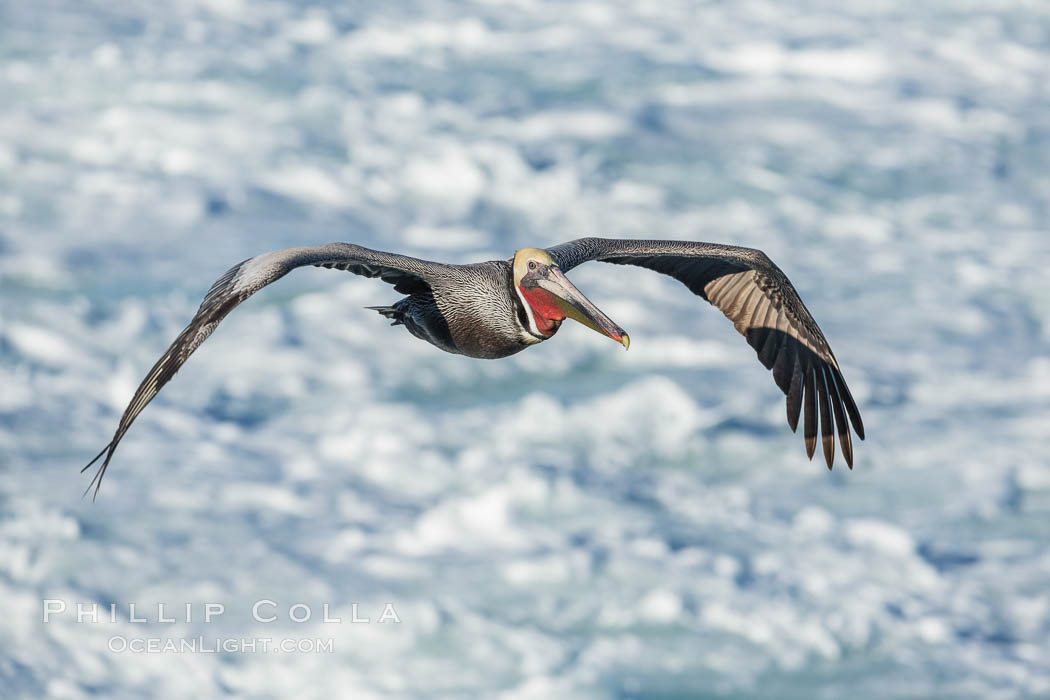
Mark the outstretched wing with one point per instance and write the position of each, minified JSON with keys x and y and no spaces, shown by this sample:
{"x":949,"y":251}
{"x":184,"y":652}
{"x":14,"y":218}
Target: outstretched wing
{"x":408,"y":275}
{"x":765,"y":308}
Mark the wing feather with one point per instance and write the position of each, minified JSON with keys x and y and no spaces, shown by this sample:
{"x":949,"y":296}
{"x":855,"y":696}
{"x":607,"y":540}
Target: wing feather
{"x":765,"y":308}
{"x":809,"y":427}
{"x":794,"y":393}
{"x":840,"y":420}
{"x":240,"y":282}
{"x":850,"y":404}
{"x":827,"y":428}
{"x":770,"y":347}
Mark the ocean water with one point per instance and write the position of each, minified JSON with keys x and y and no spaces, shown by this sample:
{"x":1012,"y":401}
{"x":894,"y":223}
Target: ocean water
{"x":574,"y":521}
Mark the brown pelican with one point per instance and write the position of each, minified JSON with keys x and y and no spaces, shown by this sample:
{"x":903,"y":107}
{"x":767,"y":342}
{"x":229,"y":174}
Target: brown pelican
{"x":497,"y":308}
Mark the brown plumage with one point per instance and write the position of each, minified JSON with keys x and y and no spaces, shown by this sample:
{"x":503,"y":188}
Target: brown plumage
{"x":494,"y":309}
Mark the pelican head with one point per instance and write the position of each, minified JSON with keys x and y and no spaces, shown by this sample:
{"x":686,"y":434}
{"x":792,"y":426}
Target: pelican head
{"x":550,"y":297}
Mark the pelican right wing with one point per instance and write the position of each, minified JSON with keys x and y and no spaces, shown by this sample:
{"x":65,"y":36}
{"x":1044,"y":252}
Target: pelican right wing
{"x":408,"y":275}
{"x":765,"y":308}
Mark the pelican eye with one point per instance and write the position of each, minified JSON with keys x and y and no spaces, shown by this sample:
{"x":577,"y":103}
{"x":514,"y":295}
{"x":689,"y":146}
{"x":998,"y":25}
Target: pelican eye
{"x":532,"y":264}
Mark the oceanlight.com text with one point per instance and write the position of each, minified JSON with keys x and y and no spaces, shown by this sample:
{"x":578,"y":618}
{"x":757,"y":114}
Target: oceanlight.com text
{"x":120,"y":644}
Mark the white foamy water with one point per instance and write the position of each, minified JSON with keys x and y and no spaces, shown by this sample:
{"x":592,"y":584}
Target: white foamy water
{"x":574,"y":521}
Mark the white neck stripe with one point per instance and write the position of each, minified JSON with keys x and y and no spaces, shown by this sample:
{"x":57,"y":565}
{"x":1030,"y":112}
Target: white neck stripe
{"x":533,"y":328}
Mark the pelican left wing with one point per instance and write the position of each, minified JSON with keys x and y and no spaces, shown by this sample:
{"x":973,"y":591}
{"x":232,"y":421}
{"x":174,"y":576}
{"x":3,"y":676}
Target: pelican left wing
{"x":408,"y":275}
{"x":765,"y":308}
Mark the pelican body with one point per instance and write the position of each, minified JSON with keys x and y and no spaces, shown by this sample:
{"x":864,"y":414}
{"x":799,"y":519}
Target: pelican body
{"x":493,"y":309}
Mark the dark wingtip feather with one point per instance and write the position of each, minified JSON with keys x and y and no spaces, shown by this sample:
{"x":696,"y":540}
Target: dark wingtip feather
{"x":827,"y":428}
{"x":794,"y":394}
{"x":840,"y":416}
{"x":850,"y":404}
{"x":809,"y":426}
{"x":846,"y":442}
{"x":768,"y":350}
{"x":782,"y":364}
{"x":96,"y":458}
{"x":96,"y":480}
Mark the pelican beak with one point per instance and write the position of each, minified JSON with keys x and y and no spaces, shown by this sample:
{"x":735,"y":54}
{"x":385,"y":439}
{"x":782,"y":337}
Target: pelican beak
{"x":578,"y":307}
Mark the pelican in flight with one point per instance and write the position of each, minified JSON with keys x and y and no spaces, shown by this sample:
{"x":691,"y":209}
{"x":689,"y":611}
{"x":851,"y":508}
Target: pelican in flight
{"x":494,"y":309}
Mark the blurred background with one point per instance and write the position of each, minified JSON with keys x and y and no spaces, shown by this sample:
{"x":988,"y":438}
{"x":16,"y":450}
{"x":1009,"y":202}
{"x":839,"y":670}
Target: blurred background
{"x":574,"y":521}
